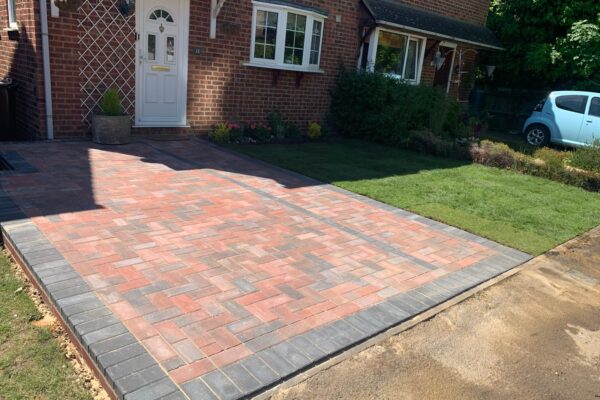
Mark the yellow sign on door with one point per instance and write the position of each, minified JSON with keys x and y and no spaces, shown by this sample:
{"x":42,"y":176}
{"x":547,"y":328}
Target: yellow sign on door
{"x":160,"y":68}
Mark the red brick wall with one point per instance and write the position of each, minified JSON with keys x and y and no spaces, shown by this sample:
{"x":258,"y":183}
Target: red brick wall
{"x":63,"y":35}
{"x":20,"y":58}
{"x":219,"y":87}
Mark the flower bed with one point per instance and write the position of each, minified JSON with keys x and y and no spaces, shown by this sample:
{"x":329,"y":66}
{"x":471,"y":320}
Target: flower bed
{"x":545,"y":162}
{"x":276,"y":130}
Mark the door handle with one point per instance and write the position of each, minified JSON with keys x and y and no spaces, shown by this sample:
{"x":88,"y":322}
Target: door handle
{"x":589,"y":121}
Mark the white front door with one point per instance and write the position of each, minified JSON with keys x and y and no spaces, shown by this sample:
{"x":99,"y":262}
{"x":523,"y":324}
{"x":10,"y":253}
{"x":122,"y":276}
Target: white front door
{"x":161,"y":72}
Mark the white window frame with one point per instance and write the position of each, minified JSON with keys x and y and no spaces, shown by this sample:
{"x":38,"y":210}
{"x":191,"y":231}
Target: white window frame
{"x":12,"y":14}
{"x":453,"y":46}
{"x":278,"y":62}
{"x":372,"y":56}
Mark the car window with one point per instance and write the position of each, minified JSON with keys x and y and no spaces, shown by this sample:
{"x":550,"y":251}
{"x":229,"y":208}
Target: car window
{"x":574,"y":103}
{"x":595,"y":107}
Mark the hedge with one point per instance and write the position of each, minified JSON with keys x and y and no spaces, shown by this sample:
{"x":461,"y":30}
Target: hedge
{"x":384,"y":109}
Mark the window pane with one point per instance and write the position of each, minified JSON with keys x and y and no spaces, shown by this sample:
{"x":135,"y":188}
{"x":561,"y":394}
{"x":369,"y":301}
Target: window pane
{"x":170,"y":49}
{"x":259,"y":50}
{"x":572,"y":103}
{"x":289,"y":56}
{"x":301,"y":23}
{"x":272,"y":20}
{"x":261,"y":34}
{"x":294,"y":39}
{"x":161,"y":14}
{"x":265,"y":35}
{"x":289,"y":40}
{"x":411,"y":60}
{"x":261,"y":18}
{"x":315,"y":44}
{"x":270,"y":52}
{"x":595,"y":107}
{"x":151,"y":47}
{"x":391,"y":51}
{"x":271,"y":36}
{"x":291,"y":21}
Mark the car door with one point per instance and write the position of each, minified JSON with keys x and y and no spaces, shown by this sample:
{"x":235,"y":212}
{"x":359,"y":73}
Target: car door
{"x":590,"y":131}
{"x":568,"y":114}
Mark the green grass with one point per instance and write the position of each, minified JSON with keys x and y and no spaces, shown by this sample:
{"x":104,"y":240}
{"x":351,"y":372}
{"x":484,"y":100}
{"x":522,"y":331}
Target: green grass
{"x":31,"y":365}
{"x":528,"y":213}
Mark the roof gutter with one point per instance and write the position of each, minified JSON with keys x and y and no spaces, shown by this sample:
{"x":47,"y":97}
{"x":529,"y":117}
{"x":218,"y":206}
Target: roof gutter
{"x":46,"y":70}
{"x":409,"y":28}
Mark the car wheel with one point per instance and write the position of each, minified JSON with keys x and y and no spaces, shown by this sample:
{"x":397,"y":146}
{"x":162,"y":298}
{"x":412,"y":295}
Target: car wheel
{"x":538,"y":135}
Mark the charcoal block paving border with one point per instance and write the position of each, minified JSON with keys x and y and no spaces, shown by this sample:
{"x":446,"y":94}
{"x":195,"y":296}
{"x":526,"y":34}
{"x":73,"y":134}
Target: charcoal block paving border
{"x":135,"y":374}
{"x":270,"y":366}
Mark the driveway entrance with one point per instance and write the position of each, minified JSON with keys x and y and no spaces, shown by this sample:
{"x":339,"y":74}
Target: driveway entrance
{"x":188,"y":271}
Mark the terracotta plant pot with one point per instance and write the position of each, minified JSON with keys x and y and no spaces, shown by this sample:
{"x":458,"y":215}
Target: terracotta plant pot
{"x":111,"y":129}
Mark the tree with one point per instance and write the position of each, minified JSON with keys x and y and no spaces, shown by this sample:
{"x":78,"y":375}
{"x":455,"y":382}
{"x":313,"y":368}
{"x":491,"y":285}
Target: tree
{"x":549,"y":43}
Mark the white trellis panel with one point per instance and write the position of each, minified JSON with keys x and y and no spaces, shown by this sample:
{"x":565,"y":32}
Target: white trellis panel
{"x":106,"y":55}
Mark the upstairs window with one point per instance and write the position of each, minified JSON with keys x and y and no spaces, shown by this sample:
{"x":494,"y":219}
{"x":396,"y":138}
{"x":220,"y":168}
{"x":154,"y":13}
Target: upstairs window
{"x":286,"y":38}
{"x":12,"y":14}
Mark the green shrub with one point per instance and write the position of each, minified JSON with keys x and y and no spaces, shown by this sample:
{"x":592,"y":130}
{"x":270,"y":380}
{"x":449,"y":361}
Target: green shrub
{"x":587,"y":158}
{"x":221,"y":133}
{"x":427,"y":142}
{"x":547,"y":164}
{"x":554,"y":159}
{"x":493,"y":154}
{"x":236,"y":133}
{"x":314,"y":131}
{"x":278,"y":127}
{"x":110,"y":103}
{"x":292,"y":131}
{"x":258,"y":133}
{"x":383,"y":109}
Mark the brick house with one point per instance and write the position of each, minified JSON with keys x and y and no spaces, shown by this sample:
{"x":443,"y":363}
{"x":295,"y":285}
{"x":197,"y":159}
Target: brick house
{"x":185,"y":65}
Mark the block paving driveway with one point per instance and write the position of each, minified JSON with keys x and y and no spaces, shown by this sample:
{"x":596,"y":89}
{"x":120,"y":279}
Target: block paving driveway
{"x":187,"y":271}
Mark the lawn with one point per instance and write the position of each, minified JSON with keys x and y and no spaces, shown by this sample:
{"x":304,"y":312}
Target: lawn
{"x":528,"y":213}
{"x":31,"y":365}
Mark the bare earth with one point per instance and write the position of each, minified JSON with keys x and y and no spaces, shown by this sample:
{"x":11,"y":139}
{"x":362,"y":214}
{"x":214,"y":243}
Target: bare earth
{"x":535,"y":335}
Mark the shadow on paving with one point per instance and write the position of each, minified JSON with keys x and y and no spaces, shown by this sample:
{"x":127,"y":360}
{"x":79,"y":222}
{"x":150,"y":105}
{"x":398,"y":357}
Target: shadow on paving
{"x":61,"y":179}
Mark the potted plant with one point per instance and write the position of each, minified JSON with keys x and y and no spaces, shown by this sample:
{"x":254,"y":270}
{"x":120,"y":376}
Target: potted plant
{"x":112,"y":126}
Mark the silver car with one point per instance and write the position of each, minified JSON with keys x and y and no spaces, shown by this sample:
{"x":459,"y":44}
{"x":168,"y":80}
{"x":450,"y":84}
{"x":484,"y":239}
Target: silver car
{"x":569,"y":118}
